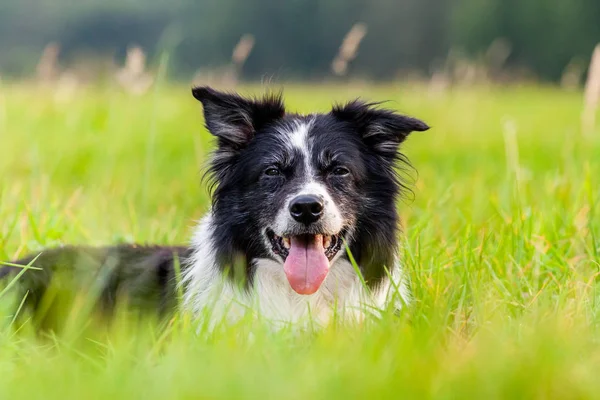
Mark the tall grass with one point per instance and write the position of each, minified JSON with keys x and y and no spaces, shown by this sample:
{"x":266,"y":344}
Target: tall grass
{"x":501,"y":242}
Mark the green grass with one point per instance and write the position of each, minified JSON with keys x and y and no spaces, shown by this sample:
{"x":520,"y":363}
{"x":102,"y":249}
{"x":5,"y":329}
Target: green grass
{"x":501,"y":242}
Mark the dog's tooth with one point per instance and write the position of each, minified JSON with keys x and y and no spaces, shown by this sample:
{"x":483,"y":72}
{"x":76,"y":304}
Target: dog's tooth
{"x":286,"y":243}
{"x":327,"y":241}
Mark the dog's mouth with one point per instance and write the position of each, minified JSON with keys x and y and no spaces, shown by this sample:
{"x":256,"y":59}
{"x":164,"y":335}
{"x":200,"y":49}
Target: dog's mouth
{"x":306,"y":258}
{"x":281,"y":245}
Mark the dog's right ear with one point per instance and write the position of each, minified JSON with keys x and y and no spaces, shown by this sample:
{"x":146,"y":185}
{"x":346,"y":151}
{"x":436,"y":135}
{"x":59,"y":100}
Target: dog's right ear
{"x":233,"y":119}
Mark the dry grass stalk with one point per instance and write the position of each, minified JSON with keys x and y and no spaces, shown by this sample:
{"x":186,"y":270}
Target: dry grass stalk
{"x":495,"y":58}
{"x":66,"y":87}
{"x":228,"y":75}
{"x":498,"y":53}
{"x":225,"y":76}
{"x":133,"y":76}
{"x":242,"y":50}
{"x":47,"y":68}
{"x":592,"y":94}
{"x":571,"y":77}
{"x":348,"y":49}
{"x":462,"y":70}
{"x":439,"y":83}
{"x":2,"y":109}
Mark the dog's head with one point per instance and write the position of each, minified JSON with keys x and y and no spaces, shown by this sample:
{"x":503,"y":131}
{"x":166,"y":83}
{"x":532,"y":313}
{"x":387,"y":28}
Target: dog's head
{"x":296,"y":188}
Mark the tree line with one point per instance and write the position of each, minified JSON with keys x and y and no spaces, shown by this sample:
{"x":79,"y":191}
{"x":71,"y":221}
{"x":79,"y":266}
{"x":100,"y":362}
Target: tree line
{"x":298,"y":39}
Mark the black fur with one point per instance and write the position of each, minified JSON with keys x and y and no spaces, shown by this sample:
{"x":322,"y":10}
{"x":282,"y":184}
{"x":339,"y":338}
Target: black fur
{"x":144,"y":276}
{"x":360,"y":137}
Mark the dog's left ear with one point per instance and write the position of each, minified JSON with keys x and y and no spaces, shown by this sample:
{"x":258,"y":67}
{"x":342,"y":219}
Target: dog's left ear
{"x":382,"y":130}
{"x":233,"y":119}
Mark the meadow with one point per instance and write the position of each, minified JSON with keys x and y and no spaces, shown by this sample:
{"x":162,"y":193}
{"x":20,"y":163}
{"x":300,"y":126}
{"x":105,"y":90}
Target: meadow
{"x":501,"y":240}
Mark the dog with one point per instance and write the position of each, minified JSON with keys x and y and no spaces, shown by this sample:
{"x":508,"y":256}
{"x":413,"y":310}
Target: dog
{"x":303,"y":223}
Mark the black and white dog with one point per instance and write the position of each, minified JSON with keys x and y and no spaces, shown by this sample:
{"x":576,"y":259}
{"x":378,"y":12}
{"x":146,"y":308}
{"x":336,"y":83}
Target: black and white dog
{"x":303,"y":221}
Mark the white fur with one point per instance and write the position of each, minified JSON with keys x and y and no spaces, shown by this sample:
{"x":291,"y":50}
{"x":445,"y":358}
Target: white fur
{"x":298,"y":138}
{"x":332,"y":218}
{"x":208,"y":294}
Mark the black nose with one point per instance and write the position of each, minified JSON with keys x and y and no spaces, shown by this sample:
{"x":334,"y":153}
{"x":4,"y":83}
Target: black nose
{"x":306,"y":209}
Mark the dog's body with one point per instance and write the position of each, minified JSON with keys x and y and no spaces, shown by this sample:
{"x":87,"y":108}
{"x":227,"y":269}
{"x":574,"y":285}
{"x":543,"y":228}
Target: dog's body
{"x":296,"y":199}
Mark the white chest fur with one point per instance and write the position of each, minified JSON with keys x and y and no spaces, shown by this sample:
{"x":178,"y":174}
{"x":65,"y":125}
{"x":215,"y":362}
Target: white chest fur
{"x":209,"y":294}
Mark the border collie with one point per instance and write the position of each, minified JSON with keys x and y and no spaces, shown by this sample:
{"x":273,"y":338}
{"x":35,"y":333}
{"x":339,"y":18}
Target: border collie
{"x":303,"y":221}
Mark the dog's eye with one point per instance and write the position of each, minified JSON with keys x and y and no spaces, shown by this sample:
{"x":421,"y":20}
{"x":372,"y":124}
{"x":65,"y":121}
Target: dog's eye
{"x":272,"y":171}
{"x":340,"y":171}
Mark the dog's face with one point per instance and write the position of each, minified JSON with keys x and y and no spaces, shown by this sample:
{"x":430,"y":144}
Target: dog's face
{"x":296,"y":188}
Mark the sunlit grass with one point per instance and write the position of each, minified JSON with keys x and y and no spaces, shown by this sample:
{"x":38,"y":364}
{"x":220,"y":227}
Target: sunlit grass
{"x":501,"y":243}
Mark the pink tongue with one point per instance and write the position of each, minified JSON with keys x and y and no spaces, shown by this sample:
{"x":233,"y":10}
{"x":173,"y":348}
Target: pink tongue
{"x":306,"y":265}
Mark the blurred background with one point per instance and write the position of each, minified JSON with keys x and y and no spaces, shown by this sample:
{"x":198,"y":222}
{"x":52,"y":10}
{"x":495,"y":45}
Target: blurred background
{"x":230,"y":40}
{"x":102,"y":143}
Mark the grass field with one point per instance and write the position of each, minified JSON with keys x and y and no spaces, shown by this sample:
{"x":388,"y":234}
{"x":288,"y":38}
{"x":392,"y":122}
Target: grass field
{"x":501,"y":240}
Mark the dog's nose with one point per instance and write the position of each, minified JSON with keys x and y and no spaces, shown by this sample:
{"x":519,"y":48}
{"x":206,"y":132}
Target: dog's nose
{"x":306,"y":208}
